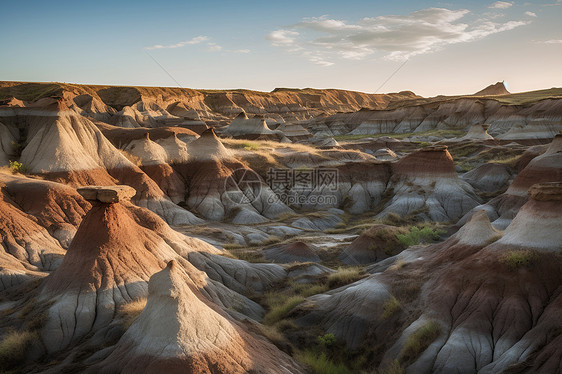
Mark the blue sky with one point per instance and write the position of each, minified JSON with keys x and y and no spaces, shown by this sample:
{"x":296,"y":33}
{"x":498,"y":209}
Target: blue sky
{"x":447,"y":47}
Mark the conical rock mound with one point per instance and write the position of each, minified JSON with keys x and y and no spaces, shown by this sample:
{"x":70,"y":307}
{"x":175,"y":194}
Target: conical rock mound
{"x":243,"y":126}
{"x":116,"y":249}
{"x":207,"y":147}
{"x":177,"y":332}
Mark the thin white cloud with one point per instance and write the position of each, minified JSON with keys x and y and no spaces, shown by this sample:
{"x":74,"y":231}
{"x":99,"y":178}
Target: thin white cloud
{"x":322,"y":40}
{"x":196,"y":40}
{"x":531,"y":14}
{"x":282,"y":38}
{"x":213,"y":47}
{"x":240,"y":51}
{"x":500,"y":5}
{"x":552,"y":41}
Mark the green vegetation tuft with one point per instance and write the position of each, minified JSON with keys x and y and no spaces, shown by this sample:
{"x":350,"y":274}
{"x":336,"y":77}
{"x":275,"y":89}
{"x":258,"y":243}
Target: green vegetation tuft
{"x":417,"y":235}
{"x":17,"y":167}
{"x":345,"y":276}
{"x":419,"y":341}
{"x":327,"y":341}
{"x":13,"y":348}
{"x":320,"y":363}
{"x":517,"y":259}
{"x":279,"y":310}
{"x":248,"y":146}
{"x":390,"y":306}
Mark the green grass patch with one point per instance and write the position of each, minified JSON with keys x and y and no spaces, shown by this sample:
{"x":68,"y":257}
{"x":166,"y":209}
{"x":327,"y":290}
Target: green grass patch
{"x":517,"y":259}
{"x":344,"y":276}
{"x":280,"y":311}
{"x":419,"y":341}
{"x":390,"y":307}
{"x":248,"y":146}
{"x":417,"y":235}
{"x":319,"y":363}
{"x":13,"y":348}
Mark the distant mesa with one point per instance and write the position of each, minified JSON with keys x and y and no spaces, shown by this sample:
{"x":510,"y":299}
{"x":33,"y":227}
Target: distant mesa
{"x":493,"y":90}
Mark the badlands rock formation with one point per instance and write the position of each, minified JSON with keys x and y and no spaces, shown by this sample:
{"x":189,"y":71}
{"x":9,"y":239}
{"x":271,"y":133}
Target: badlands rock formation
{"x":375,"y":244}
{"x":485,"y":324}
{"x":477,"y":132}
{"x":291,"y":252}
{"x":219,"y":185}
{"x":425,"y":184}
{"x":64,"y":146}
{"x":253,"y":128}
{"x":153,"y":106}
{"x":103,"y":187}
{"x":546,"y":167}
{"x":115,"y":251}
{"x":538,"y":117}
{"x":178,"y":332}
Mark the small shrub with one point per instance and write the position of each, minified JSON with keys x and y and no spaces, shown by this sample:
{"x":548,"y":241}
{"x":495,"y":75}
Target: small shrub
{"x":326,"y":341}
{"x":390,"y":306}
{"x":17,"y":167}
{"x":518,"y":258}
{"x":131,"y":311}
{"x":13,"y":348}
{"x":278,"y":312}
{"x":419,"y":341}
{"x":320,"y":363}
{"x":344,"y":276}
{"x":417,"y":235}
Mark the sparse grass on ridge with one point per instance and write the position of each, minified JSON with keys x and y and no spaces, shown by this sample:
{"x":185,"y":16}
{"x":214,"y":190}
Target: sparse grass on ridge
{"x":131,"y":311}
{"x":131,"y":157}
{"x":419,"y":341}
{"x":279,"y":311}
{"x":516,"y":259}
{"x":441,"y":133}
{"x":320,"y":363}
{"x":13,"y":348}
{"x":345,"y":276}
{"x":390,"y":306}
{"x":417,"y":235}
